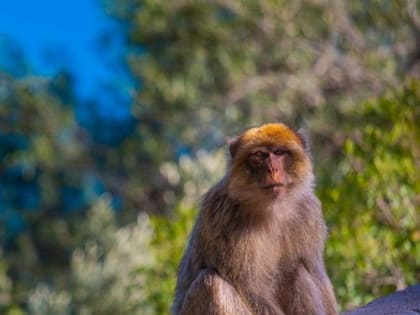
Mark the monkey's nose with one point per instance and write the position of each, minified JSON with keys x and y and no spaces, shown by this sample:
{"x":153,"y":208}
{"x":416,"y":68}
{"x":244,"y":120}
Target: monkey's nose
{"x":277,"y":176}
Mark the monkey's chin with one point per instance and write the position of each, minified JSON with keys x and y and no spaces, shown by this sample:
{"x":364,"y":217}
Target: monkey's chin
{"x":275,"y":190}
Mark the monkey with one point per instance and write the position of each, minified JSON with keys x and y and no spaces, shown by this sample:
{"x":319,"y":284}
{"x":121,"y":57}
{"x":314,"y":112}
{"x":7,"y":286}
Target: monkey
{"x":258,"y":241}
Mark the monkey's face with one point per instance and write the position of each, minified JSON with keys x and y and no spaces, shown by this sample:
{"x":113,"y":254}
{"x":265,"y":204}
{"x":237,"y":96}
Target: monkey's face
{"x":268,"y":163}
{"x":268,"y":166}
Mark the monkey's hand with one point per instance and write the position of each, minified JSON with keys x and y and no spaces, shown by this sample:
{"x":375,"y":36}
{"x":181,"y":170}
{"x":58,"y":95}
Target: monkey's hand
{"x":211,"y":294}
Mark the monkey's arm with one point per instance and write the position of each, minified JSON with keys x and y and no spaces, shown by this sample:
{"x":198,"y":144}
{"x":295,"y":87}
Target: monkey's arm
{"x":210,"y":294}
{"x":328,"y":295}
{"x":321,"y":280}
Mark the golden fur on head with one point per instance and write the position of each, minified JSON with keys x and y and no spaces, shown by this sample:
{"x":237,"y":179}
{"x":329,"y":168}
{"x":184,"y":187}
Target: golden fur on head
{"x":265,"y":135}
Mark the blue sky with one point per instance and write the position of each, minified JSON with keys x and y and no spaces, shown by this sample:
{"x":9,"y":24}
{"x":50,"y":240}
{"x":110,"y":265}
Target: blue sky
{"x":67,"y":29}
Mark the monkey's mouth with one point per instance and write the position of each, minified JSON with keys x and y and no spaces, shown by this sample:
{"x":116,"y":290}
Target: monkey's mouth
{"x":274,"y":187}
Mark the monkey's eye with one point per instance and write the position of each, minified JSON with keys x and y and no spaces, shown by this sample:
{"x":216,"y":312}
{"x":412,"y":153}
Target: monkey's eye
{"x":280,"y":152}
{"x":259,"y":154}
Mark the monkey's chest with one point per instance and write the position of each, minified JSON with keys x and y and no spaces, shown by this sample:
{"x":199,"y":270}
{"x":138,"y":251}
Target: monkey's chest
{"x":244,"y":258}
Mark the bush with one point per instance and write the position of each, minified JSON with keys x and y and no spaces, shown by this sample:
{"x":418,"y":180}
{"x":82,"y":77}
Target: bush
{"x":371,"y":200}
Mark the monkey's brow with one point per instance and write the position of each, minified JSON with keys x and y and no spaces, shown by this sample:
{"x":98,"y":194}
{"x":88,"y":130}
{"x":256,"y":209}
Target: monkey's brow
{"x":268,"y":148}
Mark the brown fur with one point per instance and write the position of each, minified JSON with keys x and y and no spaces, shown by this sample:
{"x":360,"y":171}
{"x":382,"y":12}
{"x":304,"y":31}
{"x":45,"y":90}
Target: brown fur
{"x":253,"y":251}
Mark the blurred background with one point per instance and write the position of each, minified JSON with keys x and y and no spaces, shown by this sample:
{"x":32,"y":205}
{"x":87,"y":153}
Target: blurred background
{"x":114,"y":116}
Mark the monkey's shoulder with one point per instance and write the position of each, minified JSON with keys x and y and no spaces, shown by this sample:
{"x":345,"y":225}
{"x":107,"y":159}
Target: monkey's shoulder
{"x":307,"y":204}
{"x":217,"y":203}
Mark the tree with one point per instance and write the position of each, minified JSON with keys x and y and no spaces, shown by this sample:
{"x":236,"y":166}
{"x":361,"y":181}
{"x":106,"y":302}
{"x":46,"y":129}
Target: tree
{"x":208,"y":69}
{"x":106,"y":272}
{"x":44,"y":177}
{"x":205,"y":70}
{"x":372,"y":202}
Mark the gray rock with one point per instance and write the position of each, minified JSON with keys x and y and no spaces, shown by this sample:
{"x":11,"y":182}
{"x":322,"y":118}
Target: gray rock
{"x":405,"y":302}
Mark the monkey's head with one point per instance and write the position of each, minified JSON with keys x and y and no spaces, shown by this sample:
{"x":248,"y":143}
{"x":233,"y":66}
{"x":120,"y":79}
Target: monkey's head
{"x":268,"y":163}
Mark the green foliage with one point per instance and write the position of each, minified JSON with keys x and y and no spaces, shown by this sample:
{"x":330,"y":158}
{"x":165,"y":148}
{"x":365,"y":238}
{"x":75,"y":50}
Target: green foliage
{"x":372,"y":201}
{"x":5,"y":286}
{"x":106,"y":274}
{"x":167,"y":246}
{"x":41,"y":157}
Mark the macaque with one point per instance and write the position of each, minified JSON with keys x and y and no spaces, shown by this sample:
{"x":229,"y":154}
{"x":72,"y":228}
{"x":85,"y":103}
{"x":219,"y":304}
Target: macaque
{"x":257,"y":245}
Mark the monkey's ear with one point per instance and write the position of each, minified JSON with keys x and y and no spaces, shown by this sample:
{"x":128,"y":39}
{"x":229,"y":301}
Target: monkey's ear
{"x":233,"y":144}
{"x":304,"y":139}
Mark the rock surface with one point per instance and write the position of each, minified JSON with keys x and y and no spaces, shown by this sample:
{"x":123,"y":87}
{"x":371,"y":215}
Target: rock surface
{"x":406,"y":302}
